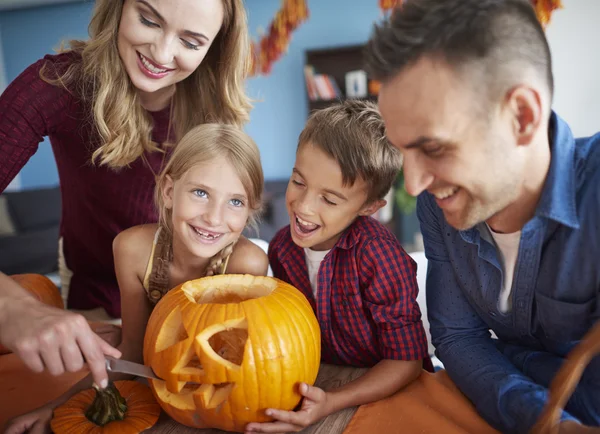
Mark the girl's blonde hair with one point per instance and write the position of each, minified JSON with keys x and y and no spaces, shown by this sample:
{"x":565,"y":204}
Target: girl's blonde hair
{"x":203,"y":144}
{"x":214,"y":92}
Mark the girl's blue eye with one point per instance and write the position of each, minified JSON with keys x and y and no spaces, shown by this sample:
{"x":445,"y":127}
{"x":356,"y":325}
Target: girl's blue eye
{"x":237,"y":202}
{"x":200,"y":193}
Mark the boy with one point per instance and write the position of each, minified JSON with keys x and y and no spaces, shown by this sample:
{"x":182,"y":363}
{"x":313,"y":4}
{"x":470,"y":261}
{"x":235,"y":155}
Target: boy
{"x":360,"y":282}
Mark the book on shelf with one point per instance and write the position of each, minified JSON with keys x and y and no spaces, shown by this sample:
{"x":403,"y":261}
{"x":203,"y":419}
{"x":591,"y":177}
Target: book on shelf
{"x":320,"y":86}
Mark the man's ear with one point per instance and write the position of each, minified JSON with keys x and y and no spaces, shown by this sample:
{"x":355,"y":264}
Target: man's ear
{"x":525,"y":106}
{"x":167,"y":192}
{"x":372,"y":207}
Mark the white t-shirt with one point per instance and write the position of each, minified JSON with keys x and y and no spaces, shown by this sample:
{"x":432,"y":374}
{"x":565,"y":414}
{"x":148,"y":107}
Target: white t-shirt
{"x":508,"y":250}
{"x":313,"y":262}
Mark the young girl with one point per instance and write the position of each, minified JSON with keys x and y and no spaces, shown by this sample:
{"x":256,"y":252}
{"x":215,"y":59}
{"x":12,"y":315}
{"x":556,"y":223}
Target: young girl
{"x":150,"y":71}
{"x":209,"y":191}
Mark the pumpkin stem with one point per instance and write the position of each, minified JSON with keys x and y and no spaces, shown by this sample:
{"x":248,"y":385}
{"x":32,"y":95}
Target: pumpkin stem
{"x":108,"y":406}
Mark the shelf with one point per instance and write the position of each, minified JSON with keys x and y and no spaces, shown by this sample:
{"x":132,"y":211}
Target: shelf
{"x":336,"y":62}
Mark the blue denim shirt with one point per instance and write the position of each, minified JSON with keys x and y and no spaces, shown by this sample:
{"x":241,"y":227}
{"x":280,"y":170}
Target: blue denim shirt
{"x":555,"y":294}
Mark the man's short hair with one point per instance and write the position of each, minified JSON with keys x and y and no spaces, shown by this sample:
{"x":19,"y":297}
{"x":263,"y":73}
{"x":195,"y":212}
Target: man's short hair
{"x":495,"y":40}
{"x":352,"y":132}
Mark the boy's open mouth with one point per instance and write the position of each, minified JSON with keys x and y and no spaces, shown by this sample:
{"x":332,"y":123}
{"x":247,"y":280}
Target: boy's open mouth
{"x":304,"y":226}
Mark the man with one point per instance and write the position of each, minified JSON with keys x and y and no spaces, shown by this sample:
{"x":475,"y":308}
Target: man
{"x":508,"y":200}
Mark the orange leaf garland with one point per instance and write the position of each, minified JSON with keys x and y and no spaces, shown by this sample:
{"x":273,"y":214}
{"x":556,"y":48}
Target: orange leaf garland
{"x":544,"y":9}
{"x":386,"y":5}
{"x":272,"y":46}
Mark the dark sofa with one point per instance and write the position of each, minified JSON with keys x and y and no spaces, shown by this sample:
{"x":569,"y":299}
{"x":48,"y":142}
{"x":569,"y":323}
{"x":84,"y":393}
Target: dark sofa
{"x":32,"y":247}
{"x":275,"y":214}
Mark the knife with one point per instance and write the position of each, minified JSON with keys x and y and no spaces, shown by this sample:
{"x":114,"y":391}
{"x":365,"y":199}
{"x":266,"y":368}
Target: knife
{"x":127,"y":367}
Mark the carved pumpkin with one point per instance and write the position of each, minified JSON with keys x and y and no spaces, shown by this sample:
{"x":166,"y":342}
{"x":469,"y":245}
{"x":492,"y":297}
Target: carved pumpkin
{"x":125,"y":407}
{"x":230,"y":346}
{"x":41,"y":288}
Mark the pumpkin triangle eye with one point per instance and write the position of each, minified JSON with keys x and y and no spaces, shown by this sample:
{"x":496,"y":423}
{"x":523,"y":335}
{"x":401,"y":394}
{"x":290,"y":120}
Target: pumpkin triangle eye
{"x":172,"y":332}
{"x":230,"y":344}
{"x":223,"y":345}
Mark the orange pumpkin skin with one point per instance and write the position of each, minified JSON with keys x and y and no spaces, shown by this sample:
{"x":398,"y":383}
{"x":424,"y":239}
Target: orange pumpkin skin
{"x":142,"y":412}
{"x":41,"y":288}
{"x":246,"y":341}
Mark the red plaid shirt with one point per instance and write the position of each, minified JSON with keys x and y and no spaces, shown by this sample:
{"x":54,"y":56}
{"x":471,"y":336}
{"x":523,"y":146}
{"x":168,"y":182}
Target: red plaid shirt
{"x":366,"y":298}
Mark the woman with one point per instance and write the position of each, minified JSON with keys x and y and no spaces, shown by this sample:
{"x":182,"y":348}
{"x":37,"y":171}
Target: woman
{"x":151,"y":70}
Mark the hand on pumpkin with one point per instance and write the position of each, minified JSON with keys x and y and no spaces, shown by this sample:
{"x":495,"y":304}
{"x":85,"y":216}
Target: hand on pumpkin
{"x":315,"y":406}
{"x":34,"y":422}
{"x":45,"y":337}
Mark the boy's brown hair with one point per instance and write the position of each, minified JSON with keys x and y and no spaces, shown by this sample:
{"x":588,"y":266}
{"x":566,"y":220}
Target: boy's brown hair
{"x":352,"y":132}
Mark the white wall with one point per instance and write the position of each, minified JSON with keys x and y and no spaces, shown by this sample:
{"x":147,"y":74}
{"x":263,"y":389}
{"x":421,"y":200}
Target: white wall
{"x":574,"y":34}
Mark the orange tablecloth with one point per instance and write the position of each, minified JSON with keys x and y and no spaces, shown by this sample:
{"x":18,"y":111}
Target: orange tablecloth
{"x":431,"y":404}
{"x":22,"y":391}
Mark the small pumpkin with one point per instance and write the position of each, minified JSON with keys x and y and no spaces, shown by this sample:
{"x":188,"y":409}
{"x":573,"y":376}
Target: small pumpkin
{"x":41,"y":288}
{"x":230,"y":346}
{"x":124,"y":407}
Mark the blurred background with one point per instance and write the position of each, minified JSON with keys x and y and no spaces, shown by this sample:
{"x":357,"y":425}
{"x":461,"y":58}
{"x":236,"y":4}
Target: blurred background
{"x":29,"y":29}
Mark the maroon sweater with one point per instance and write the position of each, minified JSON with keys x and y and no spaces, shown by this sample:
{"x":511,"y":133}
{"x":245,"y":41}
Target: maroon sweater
{"x":97,"y":202}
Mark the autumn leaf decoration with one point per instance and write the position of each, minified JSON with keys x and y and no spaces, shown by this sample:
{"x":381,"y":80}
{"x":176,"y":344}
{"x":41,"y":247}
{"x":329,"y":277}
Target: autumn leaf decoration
{"x":274,"y":44}
{"x":543,"y":8}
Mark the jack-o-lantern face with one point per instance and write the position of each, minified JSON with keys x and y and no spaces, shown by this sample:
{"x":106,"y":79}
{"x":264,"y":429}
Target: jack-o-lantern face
{"x":228,"y":347}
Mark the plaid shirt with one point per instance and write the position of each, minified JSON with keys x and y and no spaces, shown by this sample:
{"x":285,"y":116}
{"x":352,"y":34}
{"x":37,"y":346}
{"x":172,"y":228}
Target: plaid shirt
{"x":366,"y":298}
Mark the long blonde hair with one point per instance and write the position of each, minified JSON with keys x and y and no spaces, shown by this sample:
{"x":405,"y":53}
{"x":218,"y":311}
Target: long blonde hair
{"x":214,"y":92}
{"x":203,"y":144}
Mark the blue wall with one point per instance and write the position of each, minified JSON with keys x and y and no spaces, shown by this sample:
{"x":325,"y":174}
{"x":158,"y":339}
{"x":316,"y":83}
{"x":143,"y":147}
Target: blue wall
{"x":27,"y":35}
{"x":281,"y":107}
{"x":279,"y":118}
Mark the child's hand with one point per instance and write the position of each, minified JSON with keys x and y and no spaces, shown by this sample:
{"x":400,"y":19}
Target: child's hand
{"x":36,"y":421}
{"x":314,"y":408}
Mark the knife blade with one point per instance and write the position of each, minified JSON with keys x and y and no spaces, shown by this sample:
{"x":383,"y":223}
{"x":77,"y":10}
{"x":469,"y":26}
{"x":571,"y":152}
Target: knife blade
{"x":127,"y":367}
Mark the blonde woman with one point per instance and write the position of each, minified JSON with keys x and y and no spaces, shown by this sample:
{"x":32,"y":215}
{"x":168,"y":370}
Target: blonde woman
{"x":207,"y":194}
{"x":151,"y":70}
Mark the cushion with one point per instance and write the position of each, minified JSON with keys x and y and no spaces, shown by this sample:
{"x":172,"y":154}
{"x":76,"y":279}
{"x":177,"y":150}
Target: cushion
{"x":34,"y":209}
{"x":7,"y":226}
{"x":31,"y":252}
